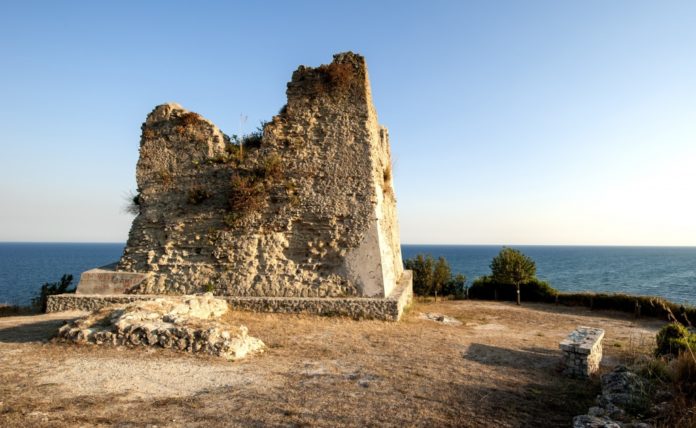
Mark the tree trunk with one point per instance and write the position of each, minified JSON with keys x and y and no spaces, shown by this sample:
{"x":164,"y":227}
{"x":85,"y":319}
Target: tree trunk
{"x":495,"y":293}
{"x":518,"y":294}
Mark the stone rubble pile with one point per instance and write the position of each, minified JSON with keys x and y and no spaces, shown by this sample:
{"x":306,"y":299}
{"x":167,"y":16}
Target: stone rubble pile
{"x":622,"y":390}
{"x":444,"y":319}
{"x":185,"y":323}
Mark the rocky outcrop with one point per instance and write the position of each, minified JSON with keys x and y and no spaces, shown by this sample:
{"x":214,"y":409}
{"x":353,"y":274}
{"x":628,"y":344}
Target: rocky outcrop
{"x":188,"y":323}
{"x":304,"y":208}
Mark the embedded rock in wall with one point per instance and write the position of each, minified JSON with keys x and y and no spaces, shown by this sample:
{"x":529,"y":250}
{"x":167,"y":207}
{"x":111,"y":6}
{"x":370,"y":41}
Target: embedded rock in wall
{"x":303,"y":208}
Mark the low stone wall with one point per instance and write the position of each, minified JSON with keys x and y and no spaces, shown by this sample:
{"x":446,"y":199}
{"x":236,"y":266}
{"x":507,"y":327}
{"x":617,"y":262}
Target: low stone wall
{"x":582,"y":351}
{"x":388,"y":309}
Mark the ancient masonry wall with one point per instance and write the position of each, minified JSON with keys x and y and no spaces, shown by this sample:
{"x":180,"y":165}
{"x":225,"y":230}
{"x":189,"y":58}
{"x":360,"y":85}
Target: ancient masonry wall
{"x":305,"y":209}
{"x":390,"y":308}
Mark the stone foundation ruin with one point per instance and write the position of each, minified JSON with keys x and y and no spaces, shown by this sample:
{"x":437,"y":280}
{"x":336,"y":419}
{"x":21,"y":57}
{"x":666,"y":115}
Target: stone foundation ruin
{"x":303,"y":209}
{"x":186,"y":323}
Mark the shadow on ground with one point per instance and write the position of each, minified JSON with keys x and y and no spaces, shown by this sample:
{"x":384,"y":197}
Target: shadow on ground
{"x":38,"y":331}
{"x":528,"y":358}
{"x":546,"y":403}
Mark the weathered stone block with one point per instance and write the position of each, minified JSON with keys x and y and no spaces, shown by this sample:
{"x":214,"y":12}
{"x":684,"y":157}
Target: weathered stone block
{"x":582,"y":351}
{"x":106,"y":280}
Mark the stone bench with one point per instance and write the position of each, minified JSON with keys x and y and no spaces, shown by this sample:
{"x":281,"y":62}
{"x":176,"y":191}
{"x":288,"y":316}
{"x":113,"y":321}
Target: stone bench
{"x":582,"y":351}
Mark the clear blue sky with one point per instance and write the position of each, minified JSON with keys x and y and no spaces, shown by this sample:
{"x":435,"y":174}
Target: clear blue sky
{"x":535,"y":122}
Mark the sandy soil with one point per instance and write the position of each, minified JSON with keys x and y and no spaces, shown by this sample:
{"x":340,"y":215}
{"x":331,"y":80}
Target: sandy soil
{"x":499,"y":368}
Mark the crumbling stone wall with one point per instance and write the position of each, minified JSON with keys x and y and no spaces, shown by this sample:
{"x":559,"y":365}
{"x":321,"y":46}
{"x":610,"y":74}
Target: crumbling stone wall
{"x":307,"y":210}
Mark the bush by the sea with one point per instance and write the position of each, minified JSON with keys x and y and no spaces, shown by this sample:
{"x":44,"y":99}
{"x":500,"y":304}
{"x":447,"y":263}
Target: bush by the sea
{"x":534,"y":290}
{"x":537,"y":290}
{"x":674,"y":339}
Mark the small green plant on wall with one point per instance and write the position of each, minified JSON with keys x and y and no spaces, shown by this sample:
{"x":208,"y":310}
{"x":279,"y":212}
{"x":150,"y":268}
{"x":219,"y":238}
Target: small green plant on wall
{"x":197,"y":195}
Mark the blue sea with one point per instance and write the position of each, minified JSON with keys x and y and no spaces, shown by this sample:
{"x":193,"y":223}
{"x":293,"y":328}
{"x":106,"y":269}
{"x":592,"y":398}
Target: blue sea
{"x":669,"y":272}
{"x":24,"y":267}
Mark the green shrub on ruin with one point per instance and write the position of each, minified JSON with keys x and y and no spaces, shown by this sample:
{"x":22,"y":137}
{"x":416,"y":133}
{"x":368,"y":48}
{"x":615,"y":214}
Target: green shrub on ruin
{"x":247,"y":195}
{"x":252,"y":140}
{"x":271,"y":169}
{"x":186,"y":121}
{"x":132,"y":205}
{"x":197,"y":195}
{"x":336,"y":77}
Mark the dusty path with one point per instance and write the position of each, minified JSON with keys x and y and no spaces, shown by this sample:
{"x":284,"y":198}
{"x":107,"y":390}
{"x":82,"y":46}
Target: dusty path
{"x":496,"y":369}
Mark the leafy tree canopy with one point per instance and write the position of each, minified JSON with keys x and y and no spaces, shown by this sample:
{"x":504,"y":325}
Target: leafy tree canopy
{"x":510,"y":266}
{"x":433,"y":277}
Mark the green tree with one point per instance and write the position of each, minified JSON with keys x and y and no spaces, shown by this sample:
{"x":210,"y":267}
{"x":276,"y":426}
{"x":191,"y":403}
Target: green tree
{"x":422,"y":267}
{"x":434,"y":277}
{"x":510,"y":266}
{"x":456,"y":287}
{"x":442,"y":275}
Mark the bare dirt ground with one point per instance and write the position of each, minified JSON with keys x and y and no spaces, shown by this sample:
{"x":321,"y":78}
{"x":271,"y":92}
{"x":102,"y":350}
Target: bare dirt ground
{"x":498,"y":369}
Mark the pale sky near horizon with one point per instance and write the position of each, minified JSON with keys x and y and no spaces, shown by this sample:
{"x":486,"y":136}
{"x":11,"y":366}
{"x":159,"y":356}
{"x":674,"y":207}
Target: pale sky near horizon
{"x":538,"y":122}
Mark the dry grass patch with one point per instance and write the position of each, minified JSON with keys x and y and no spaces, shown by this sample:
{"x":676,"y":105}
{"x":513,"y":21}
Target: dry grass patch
{"x":493,"y":370}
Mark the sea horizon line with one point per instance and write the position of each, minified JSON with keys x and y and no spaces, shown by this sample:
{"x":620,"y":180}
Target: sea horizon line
{"x":409,"y":244}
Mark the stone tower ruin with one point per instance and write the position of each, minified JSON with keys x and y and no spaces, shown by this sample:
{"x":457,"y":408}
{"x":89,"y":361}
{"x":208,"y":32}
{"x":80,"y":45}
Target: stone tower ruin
{"x":303,"y":209}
